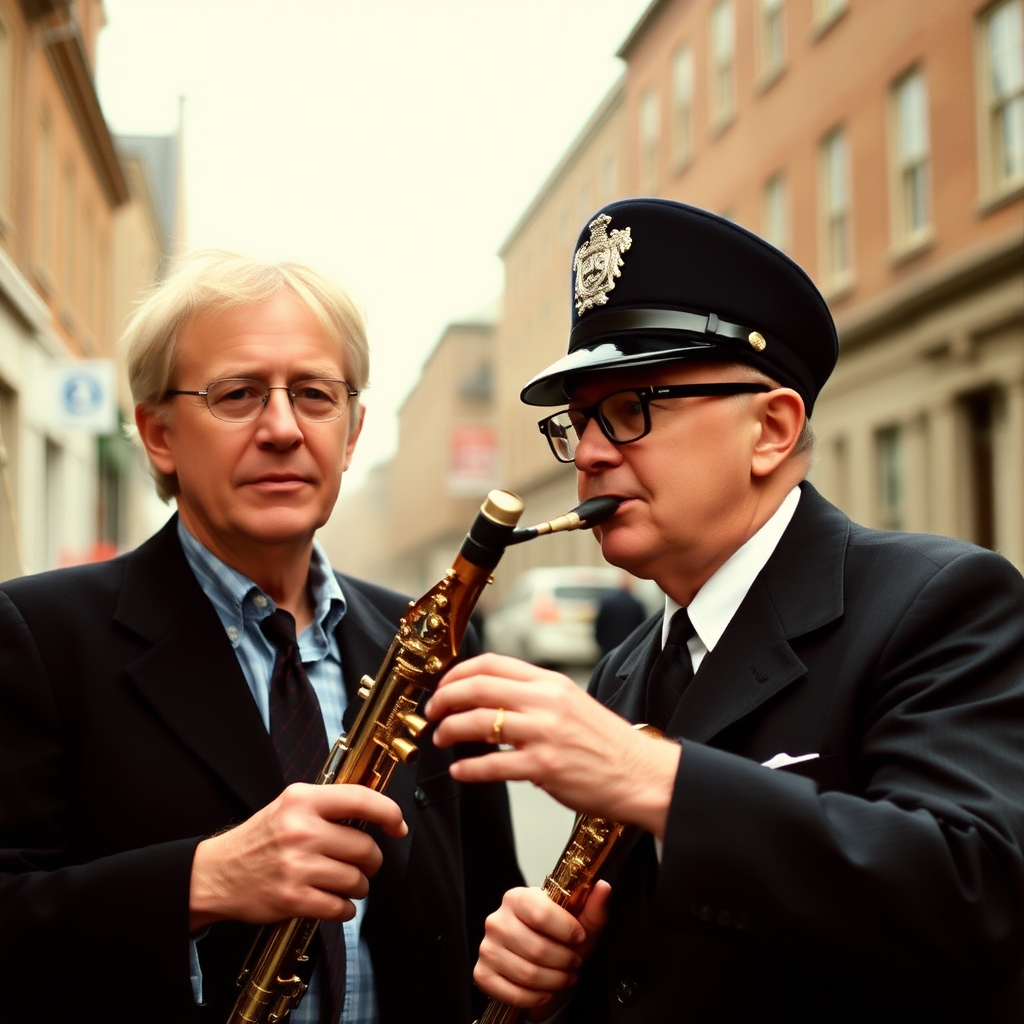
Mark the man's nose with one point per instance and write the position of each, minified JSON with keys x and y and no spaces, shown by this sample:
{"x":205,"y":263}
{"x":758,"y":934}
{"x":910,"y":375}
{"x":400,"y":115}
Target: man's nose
{"x":594,"y":448}
{"x":278,"y":416}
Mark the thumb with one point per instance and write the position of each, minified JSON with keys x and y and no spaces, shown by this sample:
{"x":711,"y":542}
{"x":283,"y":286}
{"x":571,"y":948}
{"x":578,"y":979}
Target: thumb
{"x":594,"y":915}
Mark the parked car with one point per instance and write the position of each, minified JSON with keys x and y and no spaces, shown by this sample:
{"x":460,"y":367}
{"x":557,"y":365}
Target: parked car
{"x":547,"y":617}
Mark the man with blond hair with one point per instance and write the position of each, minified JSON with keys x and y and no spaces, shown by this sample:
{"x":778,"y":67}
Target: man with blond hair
{"x":162,"y":714}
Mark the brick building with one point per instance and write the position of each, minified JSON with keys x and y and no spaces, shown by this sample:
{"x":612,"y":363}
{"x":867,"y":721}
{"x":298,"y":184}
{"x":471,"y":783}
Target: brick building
{"x":881,"y":144}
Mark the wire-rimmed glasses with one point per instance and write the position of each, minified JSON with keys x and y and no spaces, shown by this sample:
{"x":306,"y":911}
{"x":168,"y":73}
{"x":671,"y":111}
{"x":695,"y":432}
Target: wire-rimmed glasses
{"x":625,"y":416}
{"x":241,"y":399}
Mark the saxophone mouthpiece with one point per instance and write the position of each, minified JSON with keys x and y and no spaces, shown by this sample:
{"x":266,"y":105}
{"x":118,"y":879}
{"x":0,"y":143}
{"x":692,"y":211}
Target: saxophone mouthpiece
{"x":584,"y":516}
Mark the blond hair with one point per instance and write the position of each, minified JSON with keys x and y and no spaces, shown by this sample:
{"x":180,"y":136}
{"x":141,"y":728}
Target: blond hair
{"x":211,"y":281}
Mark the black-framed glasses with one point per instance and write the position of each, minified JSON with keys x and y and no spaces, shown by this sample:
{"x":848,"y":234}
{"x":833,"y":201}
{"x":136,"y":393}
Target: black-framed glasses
{"x":241,"y":399}
{"x":625,"y":416}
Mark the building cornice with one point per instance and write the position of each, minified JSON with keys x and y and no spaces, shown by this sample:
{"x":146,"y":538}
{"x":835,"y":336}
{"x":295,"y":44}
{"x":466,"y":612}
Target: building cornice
{"x":640,"y":28}
{"x":19,"y":295}
{"x":612,"y":100}
{"x":967,"y":271}
{"x":63,"y":44}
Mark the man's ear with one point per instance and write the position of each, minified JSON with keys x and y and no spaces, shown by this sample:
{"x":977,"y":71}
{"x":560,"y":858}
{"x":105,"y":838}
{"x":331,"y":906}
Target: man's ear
{"x":152,"y":428}
{"x":781,"y":421}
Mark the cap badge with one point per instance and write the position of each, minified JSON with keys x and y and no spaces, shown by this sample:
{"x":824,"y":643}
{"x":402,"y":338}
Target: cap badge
{"x":597,"y":263}
{"x":757,"y":342}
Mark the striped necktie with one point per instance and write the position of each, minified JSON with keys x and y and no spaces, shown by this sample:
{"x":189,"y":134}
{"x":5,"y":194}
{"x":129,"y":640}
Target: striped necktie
{"x":298,"y":734}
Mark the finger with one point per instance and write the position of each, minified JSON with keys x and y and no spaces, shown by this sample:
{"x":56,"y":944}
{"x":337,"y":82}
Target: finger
{"x":351,"y":848}
{"x":542,"y":915}
{"x":495,"y":725}
{"x":477,"y":691}
{"x":502,"y":766}
{"x":344,"y":802}
{"x":595,"y":911}
{"x":498,"y":665}
{"x":497,"y":987}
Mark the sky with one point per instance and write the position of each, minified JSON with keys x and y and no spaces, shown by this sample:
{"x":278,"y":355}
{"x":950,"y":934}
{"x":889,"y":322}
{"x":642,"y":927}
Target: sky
{"x":390,"y":144}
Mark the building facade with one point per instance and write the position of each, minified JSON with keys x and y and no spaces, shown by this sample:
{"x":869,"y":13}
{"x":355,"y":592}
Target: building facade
{"x":881,"y":144}
{"x":405,"y":525}
{"x":65,"y":199}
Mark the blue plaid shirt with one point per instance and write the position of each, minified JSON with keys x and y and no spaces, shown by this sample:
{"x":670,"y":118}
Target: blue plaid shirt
{"x":241,"y":606}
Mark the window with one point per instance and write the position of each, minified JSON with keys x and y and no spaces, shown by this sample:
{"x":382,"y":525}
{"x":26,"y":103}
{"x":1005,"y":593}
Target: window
{"x":909,"y":107}
{"x":6,"y":122}
{"x":775,"y":212}
{"x":682,"y":106}
{"x":890,"y":478}
{"x":1002,"y":127}
{"x":649,"y":118}
{"x":44,"y":199}
{"x":722,"y":55}
{"x":70,"y":239}
{"x":826,"y":12}
{"x":835,"y":208}
{"x":771,"y":40}
{"x":90,"y":259}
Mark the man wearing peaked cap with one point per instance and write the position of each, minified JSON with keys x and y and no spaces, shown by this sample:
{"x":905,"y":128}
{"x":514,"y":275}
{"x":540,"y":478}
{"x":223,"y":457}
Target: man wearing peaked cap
{"x":832,"y":826}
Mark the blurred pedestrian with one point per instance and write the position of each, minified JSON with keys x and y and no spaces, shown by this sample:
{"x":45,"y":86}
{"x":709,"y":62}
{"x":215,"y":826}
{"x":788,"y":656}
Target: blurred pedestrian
{"x":619,"y":612}
{"x":162,"y":714}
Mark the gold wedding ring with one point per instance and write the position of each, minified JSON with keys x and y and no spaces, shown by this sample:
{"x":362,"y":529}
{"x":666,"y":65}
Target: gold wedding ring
{"x":499,"y":719}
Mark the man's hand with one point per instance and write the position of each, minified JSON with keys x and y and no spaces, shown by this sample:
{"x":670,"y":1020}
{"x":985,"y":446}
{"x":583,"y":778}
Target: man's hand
{"x":293,"y":858}
{"x":564,"y":741}
{"x":532,"y":948}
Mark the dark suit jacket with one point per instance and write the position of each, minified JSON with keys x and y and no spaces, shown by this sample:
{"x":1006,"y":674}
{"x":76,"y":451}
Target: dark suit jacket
{"x":881,"y":881}
{"x":128,"y":734}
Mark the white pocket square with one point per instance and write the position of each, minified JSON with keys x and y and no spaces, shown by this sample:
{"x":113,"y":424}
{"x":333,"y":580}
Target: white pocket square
{"x":781,"y":760}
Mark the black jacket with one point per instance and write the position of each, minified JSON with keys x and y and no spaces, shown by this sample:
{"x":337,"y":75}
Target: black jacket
{"x":127,"y":735}
{"x":882,"y":880}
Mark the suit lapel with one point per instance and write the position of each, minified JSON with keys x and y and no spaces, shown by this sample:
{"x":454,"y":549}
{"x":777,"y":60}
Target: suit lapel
{"x":628,"y":695}
{"x":190,"y":674}
{"x":799,"y":589}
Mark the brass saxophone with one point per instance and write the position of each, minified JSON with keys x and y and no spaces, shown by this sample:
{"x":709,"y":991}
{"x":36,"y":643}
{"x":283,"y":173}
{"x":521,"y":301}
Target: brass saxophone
{"x":387,"y":724}
{"x":569,"y":883}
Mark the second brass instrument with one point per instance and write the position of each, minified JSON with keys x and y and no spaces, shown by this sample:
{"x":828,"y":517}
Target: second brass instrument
{"x":587,"y":851}
{"x":385,"y":729}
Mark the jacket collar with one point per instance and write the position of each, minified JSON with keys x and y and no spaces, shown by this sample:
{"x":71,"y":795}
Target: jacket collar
{"x":189,"y":674}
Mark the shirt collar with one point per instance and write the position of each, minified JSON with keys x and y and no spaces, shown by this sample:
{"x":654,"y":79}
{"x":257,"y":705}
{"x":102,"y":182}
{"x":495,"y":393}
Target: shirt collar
{"x":236,"y":598}
{"x":714,"y":605}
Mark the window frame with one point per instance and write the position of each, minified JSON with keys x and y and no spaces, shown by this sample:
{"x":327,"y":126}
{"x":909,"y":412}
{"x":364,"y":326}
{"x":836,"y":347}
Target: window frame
{"x":836,"y":277}
{"x":994,"y":184}
{"x":910,"y":167}
{"x":722,"y":67}
{"x":683,"y":105}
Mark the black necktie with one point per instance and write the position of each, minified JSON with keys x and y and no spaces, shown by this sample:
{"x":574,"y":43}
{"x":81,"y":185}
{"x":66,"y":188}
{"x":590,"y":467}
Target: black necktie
{"x":671,"y":672}
{"x":296,"y":725}
{"x":297,"y":731}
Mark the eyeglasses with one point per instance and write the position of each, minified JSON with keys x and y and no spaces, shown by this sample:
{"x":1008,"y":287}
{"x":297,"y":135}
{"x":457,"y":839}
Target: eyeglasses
{"x":241,"y":399}
{"x":625,"y":416}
